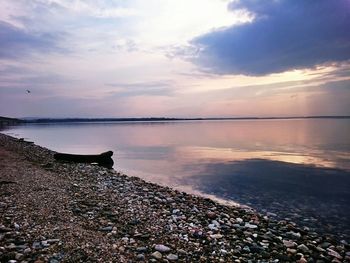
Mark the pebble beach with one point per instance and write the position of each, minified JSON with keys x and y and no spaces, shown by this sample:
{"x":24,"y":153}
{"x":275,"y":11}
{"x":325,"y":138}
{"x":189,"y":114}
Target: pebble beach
{"x":65,"y":212}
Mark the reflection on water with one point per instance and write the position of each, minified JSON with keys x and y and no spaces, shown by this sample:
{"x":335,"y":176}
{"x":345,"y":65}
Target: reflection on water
{"x":294,"y":168}
{"x":312,"y":196}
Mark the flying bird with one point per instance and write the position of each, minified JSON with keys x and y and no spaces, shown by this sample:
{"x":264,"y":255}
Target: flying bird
{"x":28,"y":91}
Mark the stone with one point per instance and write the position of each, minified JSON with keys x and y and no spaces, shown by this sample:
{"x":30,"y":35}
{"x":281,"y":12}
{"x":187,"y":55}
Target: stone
{"x":239,"y":220}
{"x":140,"y":257}
{"x":212,"y":227}
{"x":157,"y":255}
{"x":251,"y":226}
{"x":211,"y":215}
{"x":141,"y":249}
{"x":51,"y":241}
{"x":106,"y":229}
{"x":162,"y":248}
{"x":289,"y":244}
{"x":19,"y":256}
{"x":333,"y":253}
{"x":302,"y":260}
{"x":216,"y":236}
{"x":291,"y":250}
{"x":181,"y":251}
{"x":172,"y":257}
{"x":303,"y":248}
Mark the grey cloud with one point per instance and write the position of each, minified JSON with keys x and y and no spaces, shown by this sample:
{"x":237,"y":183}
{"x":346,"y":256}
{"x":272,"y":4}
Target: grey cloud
{"x":16,"y":42}
{"x":285,"y":35}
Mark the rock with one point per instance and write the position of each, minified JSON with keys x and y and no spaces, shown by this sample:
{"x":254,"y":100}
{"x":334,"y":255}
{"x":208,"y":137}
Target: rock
{"x":325,"y":245}
{"x":211,"y":215}
{"x":106,"y":229}
{"x":19,"y":256}
{"x":223,"y":251}
{"x":255,"y":248}
{"x":157,"y":255}
{"x":125,"y":239}
{"x":181,"y":251}
{"x":141,"y":249}
{"x":216,"y":236}
{"x":289,"y":244}
{"x":140,"y":257}
{"x":291,"y":251}
{"x":303,"y":248}
{"x":162,"y":248}
{"x":302,"y":260}
{"x":51,"y":241}
{"x":172,"y":257}
{"x":251,"y":226}
{"x":45,"y":244}
{"x":333,"y":253}
{"x":239,"y":220}
{"x":36,"y":245}
{"x":212,"y":227}
{"x":320,"y":249}
{"x":246,"y":249}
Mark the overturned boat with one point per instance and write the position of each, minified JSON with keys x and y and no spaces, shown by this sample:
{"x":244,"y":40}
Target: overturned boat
{"x":103,"y":159}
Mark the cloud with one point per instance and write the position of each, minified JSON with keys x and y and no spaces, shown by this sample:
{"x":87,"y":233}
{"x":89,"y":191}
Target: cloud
{"x":99,"y":9}
{"x":284,"y":35}
{"x":17,"y":42}
{"x":151,"y":88}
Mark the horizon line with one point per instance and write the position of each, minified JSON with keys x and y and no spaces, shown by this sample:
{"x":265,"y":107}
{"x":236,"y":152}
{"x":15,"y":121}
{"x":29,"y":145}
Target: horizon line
{"x":41,"y":119}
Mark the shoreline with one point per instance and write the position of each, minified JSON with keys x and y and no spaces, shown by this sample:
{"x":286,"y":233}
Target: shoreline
{"x":62,"y":212}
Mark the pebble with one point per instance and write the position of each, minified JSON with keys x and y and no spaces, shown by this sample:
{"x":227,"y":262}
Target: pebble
{"x":303,"y":248}
{"x":251,"y":226}
{"x":302,"y":260}
{"x":157,"y":255}
{"x":140,"y":257}
{"x":106,"y":229}
{"x":162,"y":248}
{"x":141,"y":249}
{"x":172,"y":257}
{"x":216,"y":236}
{"x":211,"y":215}
{"x":333,"y":253}
{"x":239,"y":220}
{"x":289,"y":244}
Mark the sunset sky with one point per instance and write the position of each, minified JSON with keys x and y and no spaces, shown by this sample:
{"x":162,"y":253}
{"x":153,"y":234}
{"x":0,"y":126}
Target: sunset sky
{"x":174,"y":58}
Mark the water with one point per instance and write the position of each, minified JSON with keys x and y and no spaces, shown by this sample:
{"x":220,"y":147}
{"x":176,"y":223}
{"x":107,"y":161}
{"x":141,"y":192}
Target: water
{"x":297,"y":169}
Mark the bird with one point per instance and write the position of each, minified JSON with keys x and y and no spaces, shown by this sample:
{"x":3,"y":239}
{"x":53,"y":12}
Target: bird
{"x":28,"y":91}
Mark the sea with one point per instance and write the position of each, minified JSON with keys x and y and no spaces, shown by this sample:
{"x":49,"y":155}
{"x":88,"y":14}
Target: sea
{"x":286,"y":169}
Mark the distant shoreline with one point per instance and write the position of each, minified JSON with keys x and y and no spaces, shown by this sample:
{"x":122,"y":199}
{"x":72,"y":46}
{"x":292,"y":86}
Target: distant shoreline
{"x":160,"y":119}
{"x":4,"y":121}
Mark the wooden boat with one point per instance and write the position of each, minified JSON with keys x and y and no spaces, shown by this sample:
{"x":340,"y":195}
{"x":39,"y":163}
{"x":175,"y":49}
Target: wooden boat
{"x":103,"y":159}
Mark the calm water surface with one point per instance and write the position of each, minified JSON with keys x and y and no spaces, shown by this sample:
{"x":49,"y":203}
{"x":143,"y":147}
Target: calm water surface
{"x":296,"y":169}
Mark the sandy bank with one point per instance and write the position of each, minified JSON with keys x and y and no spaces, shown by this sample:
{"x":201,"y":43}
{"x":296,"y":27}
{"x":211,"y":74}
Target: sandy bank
{"x":60,"y":212}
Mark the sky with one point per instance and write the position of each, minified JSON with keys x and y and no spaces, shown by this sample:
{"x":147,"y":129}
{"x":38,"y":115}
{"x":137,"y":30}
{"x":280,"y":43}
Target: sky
{"x":174,"y":58}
